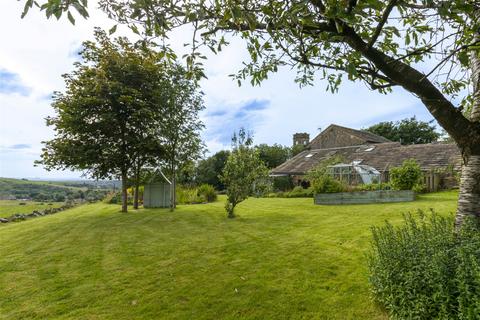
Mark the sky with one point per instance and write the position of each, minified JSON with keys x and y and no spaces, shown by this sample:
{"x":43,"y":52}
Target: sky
{"x":35,"y":52}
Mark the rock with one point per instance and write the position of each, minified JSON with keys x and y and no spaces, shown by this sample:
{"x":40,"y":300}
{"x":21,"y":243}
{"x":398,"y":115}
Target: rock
{"x":3,"y":220}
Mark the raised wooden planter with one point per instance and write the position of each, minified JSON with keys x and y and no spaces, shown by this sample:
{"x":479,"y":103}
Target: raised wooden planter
{"x":379,"y":196}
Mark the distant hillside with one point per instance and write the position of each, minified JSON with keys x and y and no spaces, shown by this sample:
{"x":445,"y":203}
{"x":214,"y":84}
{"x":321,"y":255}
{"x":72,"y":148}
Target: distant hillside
{"x":11,"y":189}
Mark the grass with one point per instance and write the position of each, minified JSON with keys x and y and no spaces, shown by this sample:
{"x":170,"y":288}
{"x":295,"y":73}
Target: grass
{"x":9,"y":207}
{"x":280,"y":259}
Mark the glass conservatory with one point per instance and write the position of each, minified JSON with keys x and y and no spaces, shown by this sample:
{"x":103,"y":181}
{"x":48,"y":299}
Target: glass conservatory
{"x":354,"y":173}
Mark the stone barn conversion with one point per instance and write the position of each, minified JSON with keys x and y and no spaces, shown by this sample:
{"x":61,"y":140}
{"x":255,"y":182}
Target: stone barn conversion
{"x":438,"y":161}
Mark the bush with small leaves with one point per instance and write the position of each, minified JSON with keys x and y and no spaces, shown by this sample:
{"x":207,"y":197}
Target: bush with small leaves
{"x":406,"y":176}
{"x":327,"y":184}
{"x":425,"y":270}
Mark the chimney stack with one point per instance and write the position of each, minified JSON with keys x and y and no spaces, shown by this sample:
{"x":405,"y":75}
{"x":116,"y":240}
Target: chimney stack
{"x":302,"y":138}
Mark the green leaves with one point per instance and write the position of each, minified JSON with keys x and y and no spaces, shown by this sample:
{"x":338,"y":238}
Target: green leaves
{"x":112,"y":30}
{"x":27,"y":7}
{"x":242,"y":170}
{"x":70,"y":18}
{"x":56,"y":8}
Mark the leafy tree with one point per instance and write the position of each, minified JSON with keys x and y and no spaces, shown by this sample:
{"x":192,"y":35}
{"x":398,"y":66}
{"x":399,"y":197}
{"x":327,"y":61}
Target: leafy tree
{"x":180,"y":125}
{"x":186,"y":176}
{"x":208,"y":170}
{"x":273,"y":155}
{"x":380,"y":43}
{"x":296,"y":149}
{"x":242,"y":170}
{"x":105,"y":117}
{"x":386,"y":129}
{"x":407,"y":131}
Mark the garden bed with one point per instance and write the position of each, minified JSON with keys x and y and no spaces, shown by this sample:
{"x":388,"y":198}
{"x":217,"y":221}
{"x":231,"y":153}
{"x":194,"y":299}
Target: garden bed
{"x":379,"y":196}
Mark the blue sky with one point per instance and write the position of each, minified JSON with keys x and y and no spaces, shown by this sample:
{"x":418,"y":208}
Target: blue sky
{"x":36,"y":52}
{"x":10,"y":83}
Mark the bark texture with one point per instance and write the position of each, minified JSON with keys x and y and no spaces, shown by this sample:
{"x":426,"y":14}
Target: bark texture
{"x":173,"y":195}
{"x":124,"y":193}
{"x":469,"y":197}
{"x":475,"y":63}
{"x":135,"y":196}
{"x":466,"y":132}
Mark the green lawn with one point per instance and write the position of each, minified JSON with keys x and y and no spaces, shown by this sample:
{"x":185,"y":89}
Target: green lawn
{"x":9,"y":207}
{"x":280,"y":259}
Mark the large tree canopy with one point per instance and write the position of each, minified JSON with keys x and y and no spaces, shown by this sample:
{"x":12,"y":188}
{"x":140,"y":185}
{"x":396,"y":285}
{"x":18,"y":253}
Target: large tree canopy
{"x":406,"y":131}
{"x":378,"y":42}
{"x":273,"y":155}
{"x":105,"y":120}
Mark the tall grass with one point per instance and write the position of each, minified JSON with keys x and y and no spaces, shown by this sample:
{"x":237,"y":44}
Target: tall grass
{"x":191,"y":195}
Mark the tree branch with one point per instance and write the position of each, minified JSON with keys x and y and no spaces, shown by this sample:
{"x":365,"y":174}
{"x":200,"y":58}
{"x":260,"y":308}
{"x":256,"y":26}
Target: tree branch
{"x":449,"y":117}
{"x":444,"y":60}
{"x":382,"y":22}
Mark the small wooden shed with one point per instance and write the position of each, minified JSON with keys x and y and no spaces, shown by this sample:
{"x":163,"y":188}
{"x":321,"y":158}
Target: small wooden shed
{"x":157,"y":192}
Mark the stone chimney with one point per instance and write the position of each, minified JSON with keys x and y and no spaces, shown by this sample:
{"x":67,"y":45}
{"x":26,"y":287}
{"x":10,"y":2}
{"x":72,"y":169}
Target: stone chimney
{"x":301,"y":138}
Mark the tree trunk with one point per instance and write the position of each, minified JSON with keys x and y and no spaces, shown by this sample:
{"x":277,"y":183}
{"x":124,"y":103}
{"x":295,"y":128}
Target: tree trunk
{"x":465,"y":132}
{"x":469,"y":197}
{"x":174,"y":192}
{"x":230,"y":210}
{"x":124,"y":192}
{"x":136,"y":187}
{"x":173,"y":195}
{"x":135,"y":195}
{"x":475,"y":63}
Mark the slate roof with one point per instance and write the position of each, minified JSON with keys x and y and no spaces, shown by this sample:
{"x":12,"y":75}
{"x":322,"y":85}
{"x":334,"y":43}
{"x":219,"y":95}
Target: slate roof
{"x":338,"y":136}
{"x":381,"y":156}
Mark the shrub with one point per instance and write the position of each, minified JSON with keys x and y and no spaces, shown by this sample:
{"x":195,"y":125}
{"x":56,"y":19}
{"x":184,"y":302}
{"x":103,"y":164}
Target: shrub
{"x":299,"y":192}
{"x":406,"y":176}
{"x":372,"y":187}
{"x":207,"y":192}
{"x":327,"y":184}
{"x":116,"y":198}
{"x":423,"y":270}
{"x":282,"y":183}
{"x":188,"y":195}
